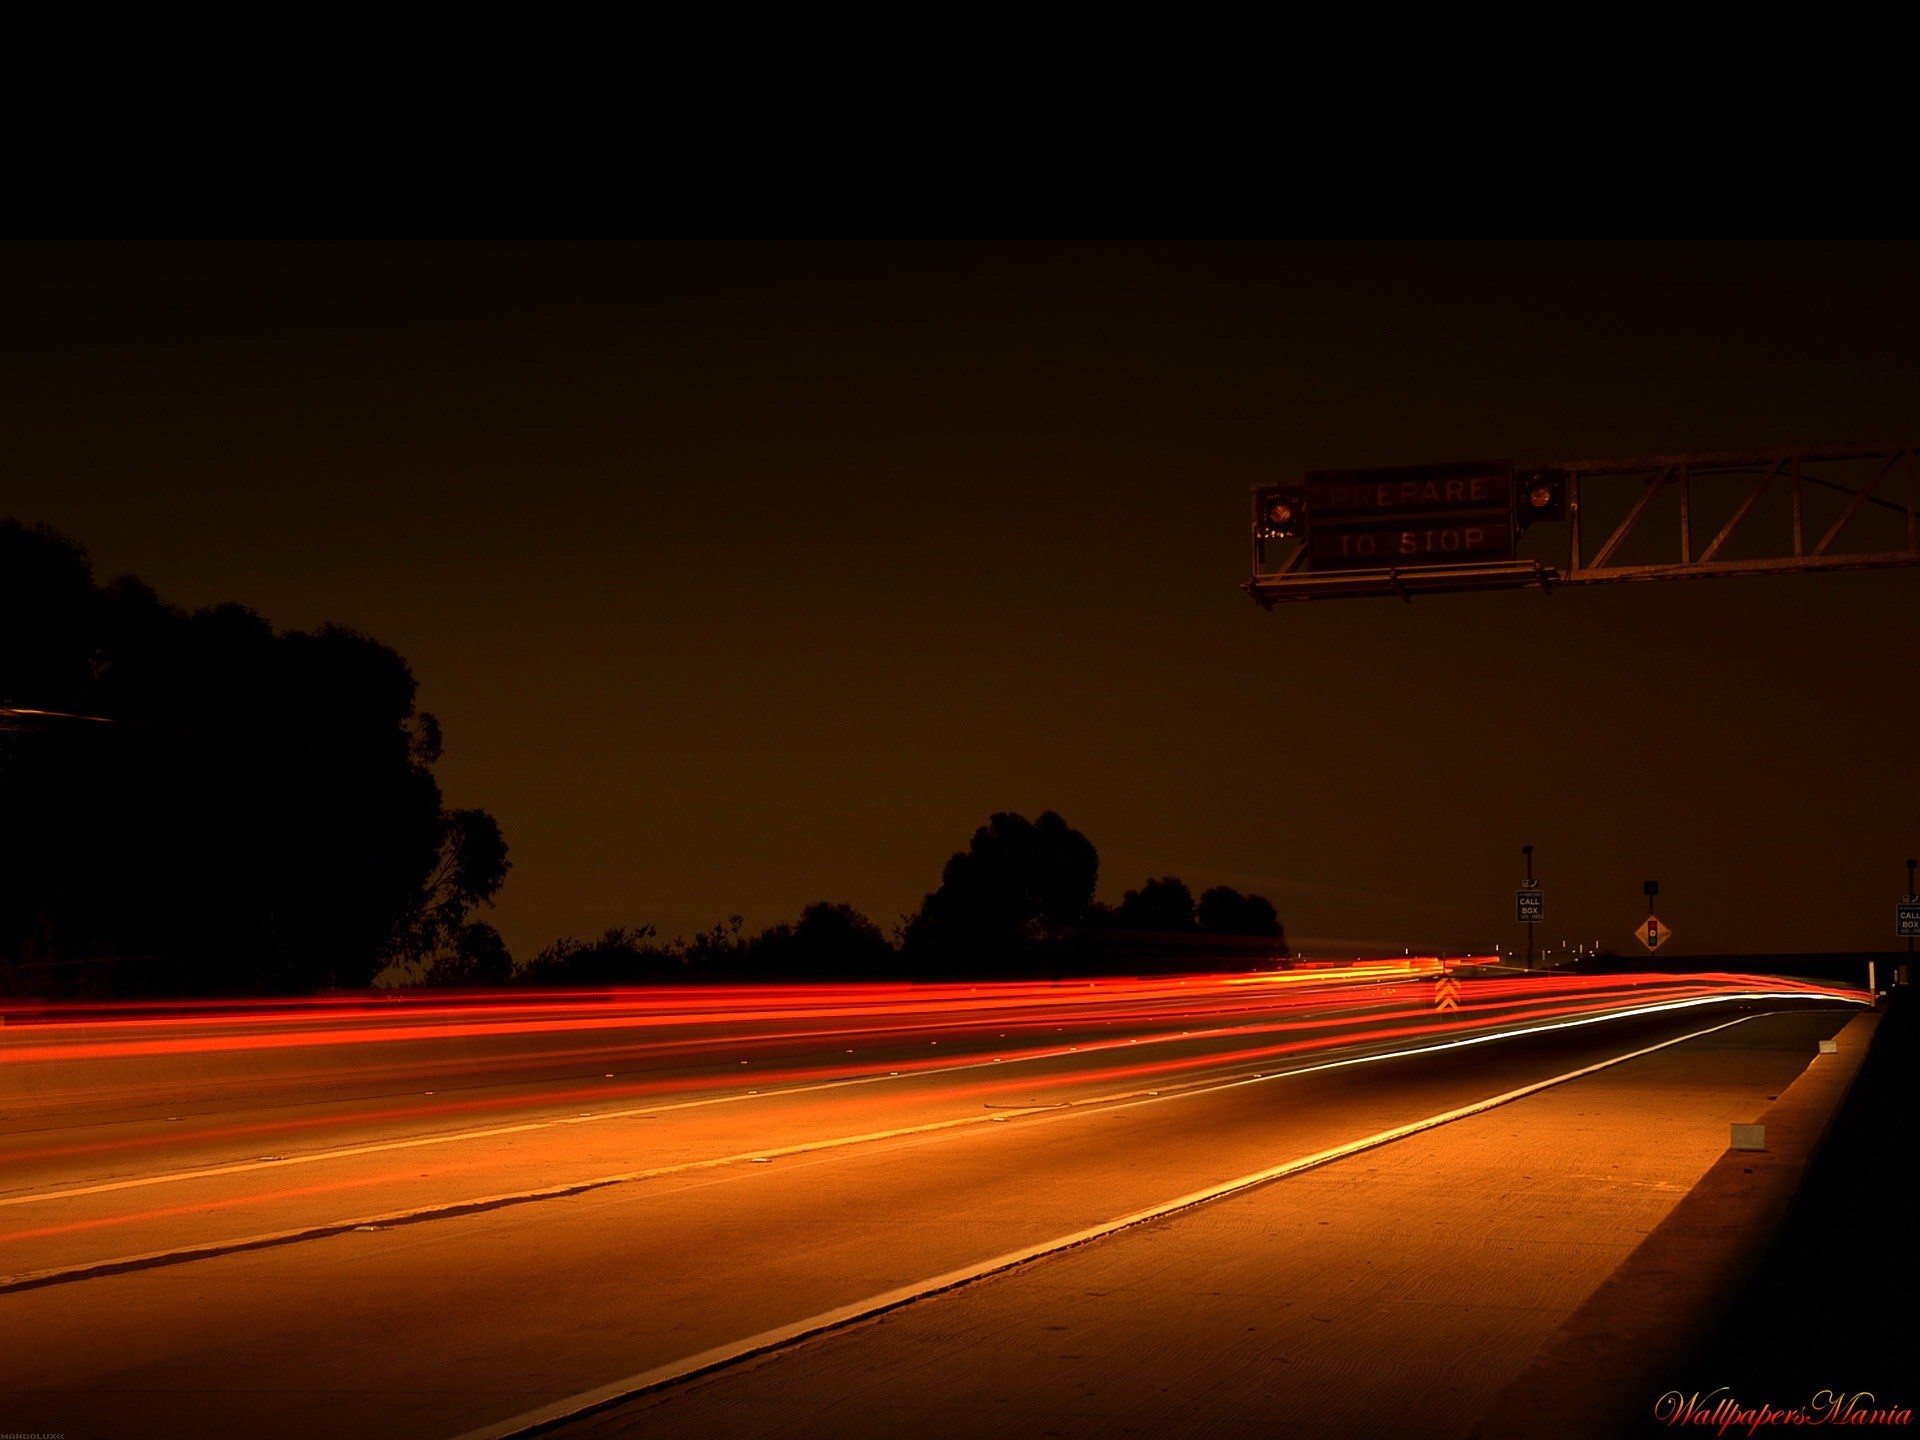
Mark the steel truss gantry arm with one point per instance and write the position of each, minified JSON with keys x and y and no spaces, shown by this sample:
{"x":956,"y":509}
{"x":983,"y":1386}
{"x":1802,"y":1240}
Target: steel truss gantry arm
{"x":1754,"y":512}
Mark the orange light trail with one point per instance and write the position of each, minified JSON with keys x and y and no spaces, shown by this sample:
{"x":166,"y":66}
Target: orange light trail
{"x":647,"y":1031}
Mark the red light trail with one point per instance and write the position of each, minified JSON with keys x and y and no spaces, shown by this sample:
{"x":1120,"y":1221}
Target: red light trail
{"x":155,"y":1130}
{"x":677,"y":1043}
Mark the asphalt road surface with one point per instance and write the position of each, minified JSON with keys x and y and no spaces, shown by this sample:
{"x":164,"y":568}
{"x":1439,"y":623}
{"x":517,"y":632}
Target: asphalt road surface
{"x":421,"y":1221}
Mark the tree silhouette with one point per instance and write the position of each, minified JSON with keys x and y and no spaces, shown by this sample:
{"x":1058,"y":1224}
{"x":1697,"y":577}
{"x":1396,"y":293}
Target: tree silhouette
{"x":471,"y":867}
{"x":1165,"y":906}
{"x":621,"y":956}
{"x":830,"y":942}
{"x":1005,"y":901}
{"x":214,"y":806}
{"x":49,"y":607}
{"x":475,"y":956}
{"x":1225,"y":911}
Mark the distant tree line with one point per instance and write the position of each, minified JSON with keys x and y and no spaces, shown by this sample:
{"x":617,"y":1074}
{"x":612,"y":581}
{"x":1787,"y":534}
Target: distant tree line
{"x":1016,"y":903}
{"x":828,"y":943}
{"x":194,"y":803}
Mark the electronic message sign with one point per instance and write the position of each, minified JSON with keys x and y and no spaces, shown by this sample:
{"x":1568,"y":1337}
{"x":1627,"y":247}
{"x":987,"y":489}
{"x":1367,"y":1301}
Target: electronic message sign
{"x":1409,"y":516}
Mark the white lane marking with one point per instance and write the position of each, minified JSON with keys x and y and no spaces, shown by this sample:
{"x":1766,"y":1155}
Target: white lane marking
{"x":168,"y":1177}
{"x":567,"y":1189}
{"x":382,"y":1147}
{"x":606,"y":1396}
{"x":35,"y":1278}
{"x":240,"y":1167}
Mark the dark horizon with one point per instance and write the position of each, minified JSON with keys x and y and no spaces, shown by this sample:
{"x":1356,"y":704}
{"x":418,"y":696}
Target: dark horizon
{"x":746,"y":576}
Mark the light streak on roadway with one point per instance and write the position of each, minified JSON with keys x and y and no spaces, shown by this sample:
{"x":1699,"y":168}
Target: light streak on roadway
{"x":1538,"y":1022}
{"x":122,"y":1031}
{"x":549,"y":1416}
{"x":668,"y":1043}
{"x":200,"y":1143}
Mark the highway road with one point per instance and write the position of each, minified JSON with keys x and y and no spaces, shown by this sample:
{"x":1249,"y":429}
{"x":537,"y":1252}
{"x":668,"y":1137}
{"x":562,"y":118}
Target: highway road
{"x":442,"y":1215}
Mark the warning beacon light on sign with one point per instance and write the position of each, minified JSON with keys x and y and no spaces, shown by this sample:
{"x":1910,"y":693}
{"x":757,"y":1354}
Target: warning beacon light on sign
{"x":1539,"y":496}
{"x":1282,"y":512}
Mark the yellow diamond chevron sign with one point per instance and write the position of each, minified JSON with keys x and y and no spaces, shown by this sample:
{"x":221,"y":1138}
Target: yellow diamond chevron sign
{"x":1653,"y":932}
{"x":1446,"y":992}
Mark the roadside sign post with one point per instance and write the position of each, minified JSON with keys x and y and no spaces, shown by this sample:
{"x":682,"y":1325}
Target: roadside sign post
{"x":1653,"y":932}
{"x":1528,"y":902}
{"x":1907,"y":917}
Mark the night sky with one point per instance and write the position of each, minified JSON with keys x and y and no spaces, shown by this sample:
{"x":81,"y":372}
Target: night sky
{"x":743,"y":576}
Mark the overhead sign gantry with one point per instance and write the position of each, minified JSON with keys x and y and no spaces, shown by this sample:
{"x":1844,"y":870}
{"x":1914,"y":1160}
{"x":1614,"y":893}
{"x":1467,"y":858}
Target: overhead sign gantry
{"x":1496,"y":525}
